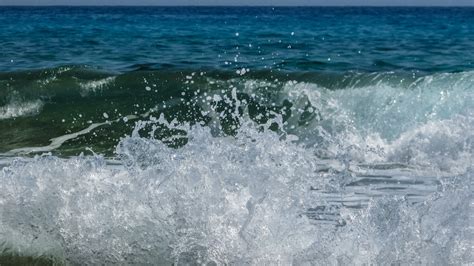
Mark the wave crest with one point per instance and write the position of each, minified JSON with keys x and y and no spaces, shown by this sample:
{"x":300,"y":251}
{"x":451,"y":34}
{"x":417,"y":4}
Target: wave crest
{"x":20,"y":109}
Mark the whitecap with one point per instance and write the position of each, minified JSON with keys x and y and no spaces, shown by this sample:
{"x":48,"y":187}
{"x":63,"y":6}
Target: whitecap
{"x":95,"y":85}
{"x":20,"y":109}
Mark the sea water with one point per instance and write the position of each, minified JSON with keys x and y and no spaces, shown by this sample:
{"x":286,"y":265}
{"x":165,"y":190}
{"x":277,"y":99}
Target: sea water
{"x":236,"y":136}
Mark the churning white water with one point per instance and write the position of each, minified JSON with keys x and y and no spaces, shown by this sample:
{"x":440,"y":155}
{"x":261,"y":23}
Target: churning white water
{"x":383,"y":176}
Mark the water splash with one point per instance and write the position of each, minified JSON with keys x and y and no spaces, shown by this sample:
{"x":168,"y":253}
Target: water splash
{"x":259,"y":172}
{"x":224,"y":200}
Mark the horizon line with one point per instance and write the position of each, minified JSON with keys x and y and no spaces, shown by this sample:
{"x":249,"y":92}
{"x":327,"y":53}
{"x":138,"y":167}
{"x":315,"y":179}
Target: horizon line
{"x":158,"y":5}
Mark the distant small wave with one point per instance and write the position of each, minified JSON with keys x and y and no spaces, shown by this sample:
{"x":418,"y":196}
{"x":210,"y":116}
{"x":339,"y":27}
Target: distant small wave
{"x":94,"y":85}
{"x":20,"y":109}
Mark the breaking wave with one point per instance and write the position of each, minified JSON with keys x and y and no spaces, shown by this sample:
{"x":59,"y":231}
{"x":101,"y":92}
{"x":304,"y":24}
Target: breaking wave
{"x":248,"y":199}
{"x":16,"y":109}
{"x":249,"y":170}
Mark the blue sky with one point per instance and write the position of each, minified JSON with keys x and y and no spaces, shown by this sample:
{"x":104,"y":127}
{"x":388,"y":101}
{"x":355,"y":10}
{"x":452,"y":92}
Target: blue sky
{"x":243,"y":2}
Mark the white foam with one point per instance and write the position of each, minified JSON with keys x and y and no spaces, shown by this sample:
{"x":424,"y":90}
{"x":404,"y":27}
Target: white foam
{"x":59,"y":141}
{"x":55,"y":142}
{"x":95,"y":85}
{"x":395,"y":195}
{"x":221,"y":200}
{"x":20,"y":109}
{"x":427,"y":123}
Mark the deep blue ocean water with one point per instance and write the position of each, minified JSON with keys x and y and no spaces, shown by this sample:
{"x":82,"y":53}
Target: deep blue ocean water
{"x":236,"y":135}
{"x":293,"y":39}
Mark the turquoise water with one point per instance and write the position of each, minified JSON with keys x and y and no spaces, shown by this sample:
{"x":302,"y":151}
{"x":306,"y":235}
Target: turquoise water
{"x":152,"y":135}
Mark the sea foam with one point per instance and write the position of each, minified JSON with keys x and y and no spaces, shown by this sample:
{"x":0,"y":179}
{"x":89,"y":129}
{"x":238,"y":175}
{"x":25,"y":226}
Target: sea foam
{"x":19,"y":109}
{"x":223,"y":200}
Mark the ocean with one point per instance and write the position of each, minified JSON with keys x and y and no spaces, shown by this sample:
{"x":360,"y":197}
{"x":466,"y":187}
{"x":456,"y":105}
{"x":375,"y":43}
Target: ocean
{"x":236,"y":135}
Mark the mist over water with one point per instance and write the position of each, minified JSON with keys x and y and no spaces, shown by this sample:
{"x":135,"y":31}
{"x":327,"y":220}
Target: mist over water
{"x":236,"y":136}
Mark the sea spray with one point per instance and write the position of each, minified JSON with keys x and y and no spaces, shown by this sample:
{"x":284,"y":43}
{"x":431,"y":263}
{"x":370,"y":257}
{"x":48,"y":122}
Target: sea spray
{"x":226,"y":200}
